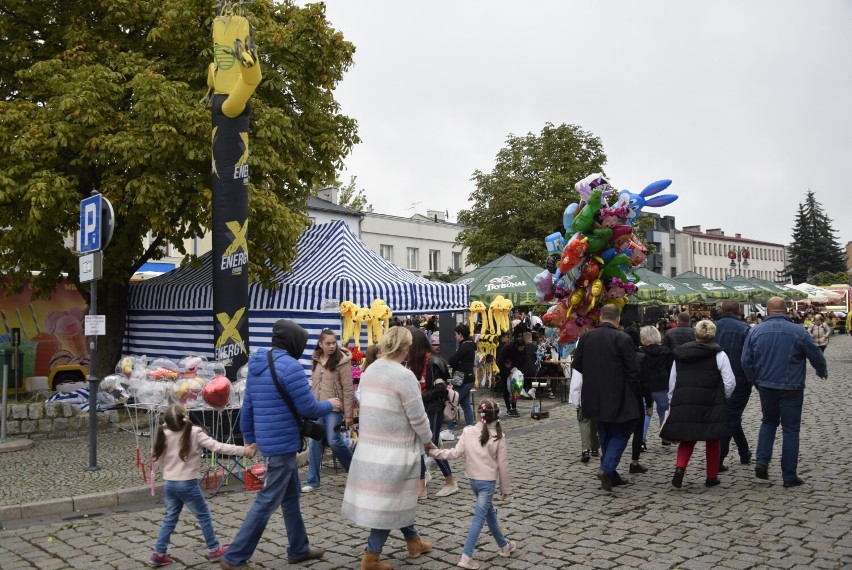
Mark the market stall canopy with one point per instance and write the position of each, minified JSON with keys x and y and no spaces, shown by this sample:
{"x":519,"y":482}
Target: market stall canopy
{"x":509,"y":276}
{"x":710,"y":290}
{"x":753,"y":291}
{"x":674,"y":292}
{"x":817,"y":294}
{"x":778,"y":290}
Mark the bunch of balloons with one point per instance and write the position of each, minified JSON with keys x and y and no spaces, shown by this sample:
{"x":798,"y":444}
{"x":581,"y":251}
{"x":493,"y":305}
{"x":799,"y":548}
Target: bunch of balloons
{"x":589,"y":266}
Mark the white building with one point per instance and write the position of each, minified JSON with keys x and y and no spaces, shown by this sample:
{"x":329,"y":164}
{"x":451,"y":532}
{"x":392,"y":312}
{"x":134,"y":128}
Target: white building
{"x":420,"y":244}
{"x":717,"y":256}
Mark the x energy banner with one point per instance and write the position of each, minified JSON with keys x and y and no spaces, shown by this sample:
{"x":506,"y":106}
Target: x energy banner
{"x":232,"y":78}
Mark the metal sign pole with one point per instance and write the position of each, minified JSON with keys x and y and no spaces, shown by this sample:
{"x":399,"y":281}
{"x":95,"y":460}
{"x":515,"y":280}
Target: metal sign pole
{"x":93,"y":386}
{"x":3,"y":417}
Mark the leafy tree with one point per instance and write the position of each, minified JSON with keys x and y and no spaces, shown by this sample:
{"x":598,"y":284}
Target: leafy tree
{"x":105,"y":95}
{"x":522,"y":199}
{"x":815,"y":247}
{"x":448,"y":277}
{"x":829,"y":278}
{"x":353,"y":197}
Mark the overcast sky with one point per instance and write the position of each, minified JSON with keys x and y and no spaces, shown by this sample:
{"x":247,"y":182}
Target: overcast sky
{"x":745,"y":105}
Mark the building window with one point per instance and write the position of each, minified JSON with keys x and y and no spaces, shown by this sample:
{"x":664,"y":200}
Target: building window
{"x":456,"y":261}
{"x":411,"y":258}
{"x":386,"y":251}
{"x":434,"y":261}
{"x":673,"y":272}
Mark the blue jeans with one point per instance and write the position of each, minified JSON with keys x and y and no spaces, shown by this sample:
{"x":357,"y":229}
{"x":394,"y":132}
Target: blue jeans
{"x":484,"y":512}
{"x":614,"y":437}
{"x":736,"y":406}
{"x":784,"y":407}
{"x":378,"y":537}
{"x":435,"y":425}
{"x":281,"y":488}
{"x":175,"y":495}
{"x":335,"y":442}
{"x":464,"y":403}
{"x":661,"y":399}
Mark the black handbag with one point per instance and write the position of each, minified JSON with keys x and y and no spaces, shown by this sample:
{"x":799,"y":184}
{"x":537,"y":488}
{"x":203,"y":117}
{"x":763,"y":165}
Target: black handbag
{"x":307,"y":427}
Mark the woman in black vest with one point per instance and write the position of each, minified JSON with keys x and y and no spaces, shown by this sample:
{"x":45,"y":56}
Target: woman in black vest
{"x":701,"y":379}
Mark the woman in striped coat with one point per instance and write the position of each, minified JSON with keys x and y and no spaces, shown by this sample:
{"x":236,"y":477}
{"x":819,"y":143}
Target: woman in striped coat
{"x":381,"y":489}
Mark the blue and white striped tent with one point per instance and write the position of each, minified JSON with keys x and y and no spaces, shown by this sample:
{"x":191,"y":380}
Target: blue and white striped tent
{"x":171,"y":315}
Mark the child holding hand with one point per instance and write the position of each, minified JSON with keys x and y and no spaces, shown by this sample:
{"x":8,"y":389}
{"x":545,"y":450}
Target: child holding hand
{"x":484,"y":448}
{"x":177,"y":450}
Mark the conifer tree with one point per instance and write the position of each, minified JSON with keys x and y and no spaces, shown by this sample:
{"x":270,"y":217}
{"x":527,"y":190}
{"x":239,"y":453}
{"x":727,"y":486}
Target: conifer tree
{"x":815,"y":247}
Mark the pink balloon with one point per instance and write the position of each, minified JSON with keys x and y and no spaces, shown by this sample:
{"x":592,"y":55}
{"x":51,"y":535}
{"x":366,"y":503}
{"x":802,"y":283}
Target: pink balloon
{"x":217,"y":392}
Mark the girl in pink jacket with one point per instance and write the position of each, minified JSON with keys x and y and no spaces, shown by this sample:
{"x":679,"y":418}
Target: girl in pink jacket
{"x":486,"y":461}
{"x":177,"y":450}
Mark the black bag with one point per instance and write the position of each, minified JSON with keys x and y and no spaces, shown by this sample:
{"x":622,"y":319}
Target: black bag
{"x":307,"y":427}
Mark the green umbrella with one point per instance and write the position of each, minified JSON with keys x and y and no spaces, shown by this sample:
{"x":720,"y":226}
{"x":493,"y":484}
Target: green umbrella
{"x":711,"y":290}
{"x":675,"y":292}
{"x":509,"y":276}
{"x":753,"y":291}
{"x":779,"y":290}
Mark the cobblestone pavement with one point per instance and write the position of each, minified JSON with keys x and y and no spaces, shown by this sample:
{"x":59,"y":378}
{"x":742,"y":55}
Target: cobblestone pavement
{"x":557,"y":514}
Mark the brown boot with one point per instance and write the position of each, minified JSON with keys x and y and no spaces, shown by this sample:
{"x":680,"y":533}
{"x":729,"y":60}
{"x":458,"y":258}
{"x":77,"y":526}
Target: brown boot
{"x":371,"y":562}
{"x":417,"y":546}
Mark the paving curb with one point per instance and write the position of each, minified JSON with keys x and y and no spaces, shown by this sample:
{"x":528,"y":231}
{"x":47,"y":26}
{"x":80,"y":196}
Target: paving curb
{"x":78,"y":503}
{"x":16,"y":445}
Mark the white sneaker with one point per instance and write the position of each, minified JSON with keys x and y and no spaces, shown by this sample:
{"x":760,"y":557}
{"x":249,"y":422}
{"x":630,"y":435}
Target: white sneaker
{"x":468,"y":562}
{"x":508,"y":549}
{"x":447,"y":435}
{"x":309,"y":489}
{"x":447,"y":490}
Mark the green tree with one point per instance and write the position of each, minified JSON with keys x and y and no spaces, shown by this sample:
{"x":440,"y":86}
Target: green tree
{"x":105,"y":95}
{"x":828,"y":278}
{"x":815,"y":248}
{"x":353,"y":197}
{"x":522,"y":199}
{"x":448,"y":277}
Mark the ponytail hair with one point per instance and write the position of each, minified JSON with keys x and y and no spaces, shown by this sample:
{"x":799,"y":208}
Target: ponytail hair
{"x":174,"y":419}
{"x":489,"y":413}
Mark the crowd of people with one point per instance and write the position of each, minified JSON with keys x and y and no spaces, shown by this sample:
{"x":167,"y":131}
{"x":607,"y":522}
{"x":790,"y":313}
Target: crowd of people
{"x":699,"y":374}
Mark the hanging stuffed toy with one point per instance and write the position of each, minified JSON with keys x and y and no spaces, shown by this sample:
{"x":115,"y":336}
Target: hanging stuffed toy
{"x":347,"y":313}
{"x":478,"y":308}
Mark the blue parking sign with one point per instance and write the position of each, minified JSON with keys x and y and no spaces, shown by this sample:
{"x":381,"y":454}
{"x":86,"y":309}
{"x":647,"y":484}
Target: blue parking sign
{"x":90,"y":224}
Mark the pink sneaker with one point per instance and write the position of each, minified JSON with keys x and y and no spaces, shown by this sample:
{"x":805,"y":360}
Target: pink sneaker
{"x":216,"y":555}
{"x":159,"y":560}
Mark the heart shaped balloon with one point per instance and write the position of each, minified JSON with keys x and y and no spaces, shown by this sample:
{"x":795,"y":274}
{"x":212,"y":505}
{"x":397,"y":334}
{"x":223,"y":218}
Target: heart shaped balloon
{"x":217,"y":392}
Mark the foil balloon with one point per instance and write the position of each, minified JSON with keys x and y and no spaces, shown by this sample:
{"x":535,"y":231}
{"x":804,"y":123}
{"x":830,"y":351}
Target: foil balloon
{"x":217,"y":392}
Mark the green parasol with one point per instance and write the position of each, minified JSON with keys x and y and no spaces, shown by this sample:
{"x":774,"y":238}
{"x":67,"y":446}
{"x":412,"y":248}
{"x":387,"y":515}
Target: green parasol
{"x":710,"y":289}
{"x":675,"y":292}
{"x":779,"y":290}
{"x":754,"y":292}
{"x":509,"y":276}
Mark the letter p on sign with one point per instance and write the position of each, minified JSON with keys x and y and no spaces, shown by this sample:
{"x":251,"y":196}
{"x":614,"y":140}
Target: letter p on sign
{"x":90,"y":224}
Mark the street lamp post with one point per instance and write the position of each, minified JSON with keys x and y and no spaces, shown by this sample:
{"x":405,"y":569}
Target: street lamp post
{"x":739,"y":258}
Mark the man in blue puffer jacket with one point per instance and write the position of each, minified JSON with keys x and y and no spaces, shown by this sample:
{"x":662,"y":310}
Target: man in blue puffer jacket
{"x":266,"y":421}
{"x":774,"y":356}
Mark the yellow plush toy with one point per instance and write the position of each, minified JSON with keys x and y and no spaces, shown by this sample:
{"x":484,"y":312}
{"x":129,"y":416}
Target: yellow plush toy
{"x":381,"y":314}
{"x":347,"y":313}
{"x":478,"y":308}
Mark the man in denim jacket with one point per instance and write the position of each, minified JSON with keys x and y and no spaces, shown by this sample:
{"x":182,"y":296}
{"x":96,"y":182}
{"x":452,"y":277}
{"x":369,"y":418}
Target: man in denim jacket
{"x":731,"y":332}
{"x":774,"y":359}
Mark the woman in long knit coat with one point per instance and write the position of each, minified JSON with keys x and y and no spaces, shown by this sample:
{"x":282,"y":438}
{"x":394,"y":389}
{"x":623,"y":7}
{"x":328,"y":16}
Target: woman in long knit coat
{"x":700,"y":381}
{"x":381,"y":489}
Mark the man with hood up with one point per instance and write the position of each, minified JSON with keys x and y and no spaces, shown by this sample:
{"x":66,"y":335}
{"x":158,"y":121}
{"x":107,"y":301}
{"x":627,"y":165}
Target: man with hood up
{"x":266,"y":420}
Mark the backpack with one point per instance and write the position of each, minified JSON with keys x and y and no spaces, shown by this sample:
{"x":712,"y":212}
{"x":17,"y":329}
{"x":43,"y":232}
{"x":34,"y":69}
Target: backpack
{"x":451,"y":406}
